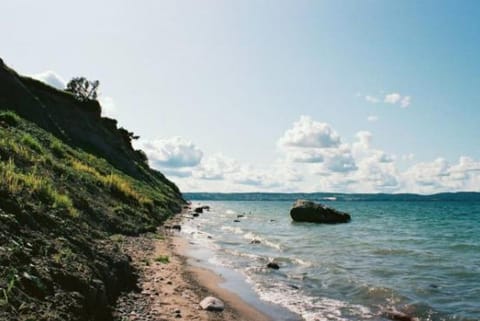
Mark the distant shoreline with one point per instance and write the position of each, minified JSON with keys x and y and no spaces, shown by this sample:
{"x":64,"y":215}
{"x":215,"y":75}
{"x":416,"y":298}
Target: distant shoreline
{"x":260,"y":196}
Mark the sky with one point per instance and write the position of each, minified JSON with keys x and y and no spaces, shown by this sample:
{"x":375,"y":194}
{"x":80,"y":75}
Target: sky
{"x":279,"y":96}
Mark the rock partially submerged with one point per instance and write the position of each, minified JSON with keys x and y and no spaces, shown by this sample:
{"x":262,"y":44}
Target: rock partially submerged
{"x":211,"y":303}
{"x":308,"y":211}
{"x":202,"y":208}
{"x":273,"y":265}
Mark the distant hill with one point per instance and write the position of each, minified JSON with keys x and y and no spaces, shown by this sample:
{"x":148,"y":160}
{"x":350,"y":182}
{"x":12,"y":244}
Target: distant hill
{"x":70,"y":186}
{"x":291,"y":197}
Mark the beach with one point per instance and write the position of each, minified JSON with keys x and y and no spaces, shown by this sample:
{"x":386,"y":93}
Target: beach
{"x":171,"y":288}
{"x":376,"y":267}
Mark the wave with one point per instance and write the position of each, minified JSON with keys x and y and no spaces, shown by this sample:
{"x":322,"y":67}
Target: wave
{"x":309,"y":307}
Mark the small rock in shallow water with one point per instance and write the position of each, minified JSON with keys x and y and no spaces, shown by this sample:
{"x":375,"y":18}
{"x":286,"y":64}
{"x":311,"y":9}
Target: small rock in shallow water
{"x":273,"y":265}
{"x":211,"y":303}
{"x":255,"y":242}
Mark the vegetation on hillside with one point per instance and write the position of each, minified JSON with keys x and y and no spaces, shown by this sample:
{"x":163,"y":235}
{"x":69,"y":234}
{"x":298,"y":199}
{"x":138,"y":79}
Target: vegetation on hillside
{"x":60,"y":209}
{"x":83,"y":89}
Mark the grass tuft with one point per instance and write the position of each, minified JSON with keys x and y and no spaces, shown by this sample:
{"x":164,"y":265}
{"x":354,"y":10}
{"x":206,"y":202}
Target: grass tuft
{"x":162,"y":259}
{"x":31,"y":142}
{"x":9,"y":118}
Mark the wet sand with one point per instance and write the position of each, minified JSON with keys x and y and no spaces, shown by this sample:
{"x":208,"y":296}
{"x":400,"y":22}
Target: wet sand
{"x":170,"y":288}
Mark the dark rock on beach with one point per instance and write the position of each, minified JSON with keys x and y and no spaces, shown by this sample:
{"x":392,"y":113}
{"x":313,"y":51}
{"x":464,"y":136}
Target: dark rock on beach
{"x":273,"y":265}
{"x":308,"y":211}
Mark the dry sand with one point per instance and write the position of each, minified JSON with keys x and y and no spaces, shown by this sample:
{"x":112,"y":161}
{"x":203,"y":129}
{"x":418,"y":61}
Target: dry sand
{"x":173,"y":290}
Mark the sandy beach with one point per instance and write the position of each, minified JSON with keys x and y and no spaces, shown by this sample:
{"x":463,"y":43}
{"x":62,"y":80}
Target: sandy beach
{"x":169,"y":288}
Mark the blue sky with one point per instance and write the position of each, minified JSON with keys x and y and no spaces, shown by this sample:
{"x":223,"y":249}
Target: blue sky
{"x":217,"y":89}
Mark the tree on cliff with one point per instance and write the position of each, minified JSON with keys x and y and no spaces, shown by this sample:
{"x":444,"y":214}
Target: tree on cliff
{"x":83,"y":89}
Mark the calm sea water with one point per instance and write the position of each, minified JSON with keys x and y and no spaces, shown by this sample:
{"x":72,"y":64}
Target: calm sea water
{"x":422,"y":258}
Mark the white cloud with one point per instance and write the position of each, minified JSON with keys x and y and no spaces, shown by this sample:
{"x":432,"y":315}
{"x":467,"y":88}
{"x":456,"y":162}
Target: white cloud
{"x":216,"y":167}
{"x":172,"y":152}
{"x":305,"y":156}
{"x":405,"y":102}
{"x":372,"y":99}
{"x":356,"y":166}
{"x":341,"y":162}
{"x":392,"y":98}
{"x":307,"y":133}
{"x":174,"y":172}
{"x":372,"y":118}
{"x":51,"y":78}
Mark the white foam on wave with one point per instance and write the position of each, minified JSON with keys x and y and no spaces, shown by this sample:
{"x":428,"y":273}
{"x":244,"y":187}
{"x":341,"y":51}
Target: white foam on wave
{"x":232,"y":229}
{"x":302,"y":262}
{"x":310,"y":308}
{"x":242,"y":254}
{"x":252,"y":236}
{"x":230,"y":212}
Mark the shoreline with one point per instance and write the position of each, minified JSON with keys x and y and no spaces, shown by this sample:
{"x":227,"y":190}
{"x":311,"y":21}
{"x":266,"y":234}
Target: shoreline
{"x":207,"y":281}
{"x":171,"y":287}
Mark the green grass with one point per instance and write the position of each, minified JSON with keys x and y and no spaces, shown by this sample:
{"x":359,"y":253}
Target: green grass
{"x":9,"y":118}
{"x":15,"y":182}
{"x":57,"y":148}
{"x":162,"y":259}
{"x":36,"y":165}
{"x":31,"y":142}
{"x":10,"y":281}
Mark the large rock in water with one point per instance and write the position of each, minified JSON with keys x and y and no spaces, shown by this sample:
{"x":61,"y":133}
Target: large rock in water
{"x":308,"y":211}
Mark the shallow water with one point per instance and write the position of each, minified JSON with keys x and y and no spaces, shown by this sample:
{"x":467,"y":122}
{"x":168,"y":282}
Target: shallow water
{"x":422,"y":258}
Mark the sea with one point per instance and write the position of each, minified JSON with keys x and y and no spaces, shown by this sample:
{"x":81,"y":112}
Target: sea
{"x":417,"y":256}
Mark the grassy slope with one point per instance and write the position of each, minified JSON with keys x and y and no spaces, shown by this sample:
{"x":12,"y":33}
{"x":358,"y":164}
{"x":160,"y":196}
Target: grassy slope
{"x":60,"y":211}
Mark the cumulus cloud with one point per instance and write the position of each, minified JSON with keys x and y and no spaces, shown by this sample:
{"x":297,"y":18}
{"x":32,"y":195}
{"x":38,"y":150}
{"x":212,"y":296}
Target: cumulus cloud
{"x":392,"y":98}
{"x":372,"y":118}
{"x":341,"y":162}
{"x":308,"y":166}
{"x":216,"y":167}
{"x":441,"y":175}
{"x":307,"y":133}
{"x":175,"y":172}
{"x":175,"y":152}
{"x":305,"y":156}
{"x":51,"y":78}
